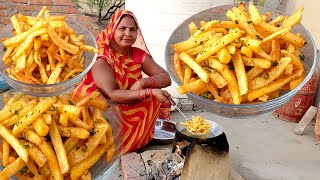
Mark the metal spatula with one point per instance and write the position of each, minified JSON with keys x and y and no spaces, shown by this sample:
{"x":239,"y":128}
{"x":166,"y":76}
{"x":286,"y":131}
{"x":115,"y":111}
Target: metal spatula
{"x":173,"y":104}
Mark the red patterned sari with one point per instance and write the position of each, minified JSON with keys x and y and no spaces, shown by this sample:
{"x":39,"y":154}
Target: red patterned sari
{"x":133,"y":125}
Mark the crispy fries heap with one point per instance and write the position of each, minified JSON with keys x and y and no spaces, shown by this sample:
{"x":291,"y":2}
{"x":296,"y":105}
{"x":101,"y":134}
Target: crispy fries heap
{"x":247,"y":59}
{"x":197,"y":125}
{"x":44,"y":49}
{"x":51,"y":138}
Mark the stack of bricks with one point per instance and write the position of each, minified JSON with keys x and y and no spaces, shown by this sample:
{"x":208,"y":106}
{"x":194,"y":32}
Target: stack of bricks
{"x":9,"y":8}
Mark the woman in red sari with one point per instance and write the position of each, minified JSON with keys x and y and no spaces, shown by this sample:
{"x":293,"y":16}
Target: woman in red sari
{"x":117,"y":74}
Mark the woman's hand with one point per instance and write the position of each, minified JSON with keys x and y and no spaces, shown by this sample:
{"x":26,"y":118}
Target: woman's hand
{"x":138,"y":85}
{"x":161,"y":95}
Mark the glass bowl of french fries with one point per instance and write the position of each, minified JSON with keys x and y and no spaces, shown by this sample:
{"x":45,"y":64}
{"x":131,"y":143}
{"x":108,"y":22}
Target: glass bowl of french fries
{"x":45,"y":55}
{"x":55,"y":137}
{"x":241,"y":61}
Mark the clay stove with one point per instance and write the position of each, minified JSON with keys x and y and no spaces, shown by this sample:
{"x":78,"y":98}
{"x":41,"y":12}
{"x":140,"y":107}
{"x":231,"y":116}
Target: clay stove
{"x":206,"y":158}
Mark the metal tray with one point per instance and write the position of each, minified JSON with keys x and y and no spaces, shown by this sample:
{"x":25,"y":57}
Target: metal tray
{"x":164,"y":132}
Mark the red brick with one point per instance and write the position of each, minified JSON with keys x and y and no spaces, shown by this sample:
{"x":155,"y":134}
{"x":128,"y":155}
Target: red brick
{"x":70,"y":10}
{"x":41,"y":2}
{"x":95,"y":32}
{"x":55,"y":9}
{"x":5,"y":20}
{"x":1,"y":26}
{"x":3,"y":13}
{"x":19,"y":1}
{"x":3,"y":6}
{"x":33,"y":8}
{"x":64,"y":3}
{"x":85,"y":18}
{"x":71,"y":17}
{"x":132,"y":166}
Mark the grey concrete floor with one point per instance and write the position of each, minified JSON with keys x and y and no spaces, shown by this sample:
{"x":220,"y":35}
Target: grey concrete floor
{"x":264,"y":148}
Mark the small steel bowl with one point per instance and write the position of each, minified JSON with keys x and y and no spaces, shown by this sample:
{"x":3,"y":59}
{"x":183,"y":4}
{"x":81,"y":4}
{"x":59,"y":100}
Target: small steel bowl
{"x":164,"y":132}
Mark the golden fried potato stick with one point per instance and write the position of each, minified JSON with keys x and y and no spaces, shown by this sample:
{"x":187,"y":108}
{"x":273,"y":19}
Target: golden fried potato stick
{"x":16,"y":40}
{"x":59,"y":148}
{"x":29,"y":118}
{"x":15,"y":143}
{"x":60,"y":42}
{"x":240,"y":73}
{"x":77,"y":170}
{"x":195,"y":66}
{"x":222,"y":42}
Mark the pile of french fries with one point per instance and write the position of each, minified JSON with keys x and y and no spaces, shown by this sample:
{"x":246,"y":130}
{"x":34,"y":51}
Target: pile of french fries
{"x":197,"y":125}
{"x":249,"y":58}
{"x":44,"y":49}
{"x":53,"y":137}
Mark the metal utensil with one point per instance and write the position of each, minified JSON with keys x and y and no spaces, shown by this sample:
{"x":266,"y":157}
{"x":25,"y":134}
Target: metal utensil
{"x":173,"y":104}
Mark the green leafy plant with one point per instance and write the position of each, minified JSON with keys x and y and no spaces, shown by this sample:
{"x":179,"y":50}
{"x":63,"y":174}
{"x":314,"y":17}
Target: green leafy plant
{"x":99,"y":5}
{"x":261,"y":2}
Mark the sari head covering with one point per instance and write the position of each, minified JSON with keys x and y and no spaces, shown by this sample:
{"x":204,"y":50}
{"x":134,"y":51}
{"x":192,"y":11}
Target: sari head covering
{"x":106,"y":36}
{"x":132,"y":125}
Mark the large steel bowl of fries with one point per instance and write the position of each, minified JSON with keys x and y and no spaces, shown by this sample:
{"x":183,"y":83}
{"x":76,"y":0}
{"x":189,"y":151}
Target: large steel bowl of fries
{"x":43,"y":165}
{"x":176,"y":62}
{"x":74,"y":67}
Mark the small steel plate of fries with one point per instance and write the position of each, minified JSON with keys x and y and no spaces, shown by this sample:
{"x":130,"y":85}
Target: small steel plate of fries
{"x":45,"y":55}
{"x":55,"y":137}
{"x":240,"y":61}
{"x":199,"y":127}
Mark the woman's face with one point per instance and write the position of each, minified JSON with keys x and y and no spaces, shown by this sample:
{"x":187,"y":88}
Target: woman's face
{"x":126,"y":33}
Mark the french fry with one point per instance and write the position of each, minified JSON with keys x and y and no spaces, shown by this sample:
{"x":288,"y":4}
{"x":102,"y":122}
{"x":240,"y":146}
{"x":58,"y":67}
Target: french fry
{"x":28,"y":119}
{"x":178,"y":67}
{"x":12,"y":169}
{"x":271,"y":75}
{"x":296,"y":82}
{"x":294,"y":19}
{"x":10,"y":110}
{"x":240,"y":73}
{"x":193,"y":41}
{"x":217,"y":79}
{"x":247,"y":51}
{"x":35,"y":154}
{"x":74,"y":132}
{"x":110,"y":152}
{"x":5,"y":152}
{"x":243,"y":20}
{"x":192,"y":28}
{"x":206,"y":27}
{"x":225,"y":40}
{"x":232,"y":85}
{"x":14,"y":41}
{"x":40,"y":127}
{"x":213,"y":89}
{"x":192,"y":87}
{"x":201,"y":47}
{"x":87,"y":148}
{"x":71,"y":111}
{"x":256,"y":62}
{"x":77,"y":170}
{"x":47,"y":150}
{"x":70,"y":143}
{"x":224,"y":55}
{"x":63,"y":120}
{"x":195,"y":66}
{"x":14,"y":142}
{"x":271,"y":87}
{"x":59,"y":148}
{"x":275,"y":50}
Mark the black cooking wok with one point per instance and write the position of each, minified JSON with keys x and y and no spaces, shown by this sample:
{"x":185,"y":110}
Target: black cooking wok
{"x":216,"y":137}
